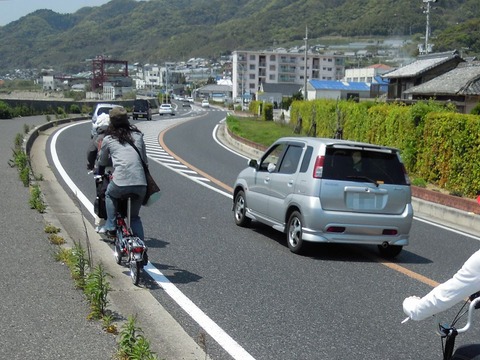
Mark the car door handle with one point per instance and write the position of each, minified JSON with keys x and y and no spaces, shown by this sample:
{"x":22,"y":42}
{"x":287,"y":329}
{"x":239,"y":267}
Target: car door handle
{"x":267,"y":180}
{"x":290,"y":183}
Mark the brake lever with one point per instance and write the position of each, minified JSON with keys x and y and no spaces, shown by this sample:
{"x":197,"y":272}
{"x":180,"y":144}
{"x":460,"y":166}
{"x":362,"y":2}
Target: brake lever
{"x":473,"y":297}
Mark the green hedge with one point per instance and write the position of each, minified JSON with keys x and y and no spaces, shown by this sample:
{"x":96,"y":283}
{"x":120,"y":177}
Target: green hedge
{"x":437,"y":144}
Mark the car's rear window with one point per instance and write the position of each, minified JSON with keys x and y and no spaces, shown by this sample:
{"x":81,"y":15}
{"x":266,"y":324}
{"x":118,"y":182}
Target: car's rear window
{"x":356,"y":164}
{"x":104,"y":110}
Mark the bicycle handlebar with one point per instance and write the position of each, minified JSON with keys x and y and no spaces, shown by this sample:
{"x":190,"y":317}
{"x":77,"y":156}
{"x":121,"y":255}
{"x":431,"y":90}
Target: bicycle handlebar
{"x":471,"y":307}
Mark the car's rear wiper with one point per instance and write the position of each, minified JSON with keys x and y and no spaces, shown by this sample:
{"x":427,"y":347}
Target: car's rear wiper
{"x":364,"y":178}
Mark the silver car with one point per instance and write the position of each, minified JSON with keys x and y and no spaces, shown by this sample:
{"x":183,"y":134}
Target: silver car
{"x":328,"y":190}
{"x":166,"y":109}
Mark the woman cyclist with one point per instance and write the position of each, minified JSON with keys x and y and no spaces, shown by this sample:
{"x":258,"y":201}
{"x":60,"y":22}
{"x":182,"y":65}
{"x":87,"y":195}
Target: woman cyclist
{"x":128,"y":174}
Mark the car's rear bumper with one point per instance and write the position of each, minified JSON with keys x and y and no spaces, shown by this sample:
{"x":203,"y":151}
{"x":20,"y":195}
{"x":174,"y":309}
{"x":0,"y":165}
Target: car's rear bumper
{"x":357,"y":228}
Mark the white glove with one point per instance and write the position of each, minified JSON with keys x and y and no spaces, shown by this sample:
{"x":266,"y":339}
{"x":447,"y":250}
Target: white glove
{"x":409,"y":305}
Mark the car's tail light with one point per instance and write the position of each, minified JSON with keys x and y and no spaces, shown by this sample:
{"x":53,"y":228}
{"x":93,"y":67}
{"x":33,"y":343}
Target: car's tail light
{"x":336,"y":229}
{"x":318,"y":169}
{"x":138,"y":249}
{"x":390,"y":232}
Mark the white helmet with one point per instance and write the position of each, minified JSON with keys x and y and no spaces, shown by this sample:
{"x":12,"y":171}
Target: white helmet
{"x":103,"y":121}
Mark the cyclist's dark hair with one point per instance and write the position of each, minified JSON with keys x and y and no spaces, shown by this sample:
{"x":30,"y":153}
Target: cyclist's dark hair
{"x":122,"y":133}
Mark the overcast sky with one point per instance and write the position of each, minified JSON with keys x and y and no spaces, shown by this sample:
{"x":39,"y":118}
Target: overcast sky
{"x":11,"y":10}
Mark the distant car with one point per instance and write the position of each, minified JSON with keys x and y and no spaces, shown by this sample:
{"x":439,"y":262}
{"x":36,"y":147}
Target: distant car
{"x":205,"y":103}
{"x":328,"y":191}
{"x":190,"y":99}
{"x":142,"y":108}
{"x":100,"y":109}
{"x":166,"y":109}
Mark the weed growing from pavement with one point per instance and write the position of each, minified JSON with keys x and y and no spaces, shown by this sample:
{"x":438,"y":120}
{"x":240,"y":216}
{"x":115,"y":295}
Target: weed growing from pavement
{"x":64,"y":255}
{"x":25,"y":176}
{"x":79,"y":266}
{"x":53,"y":237}
{"x":108,"y":325}
{"x":94,"y":284}
{"x":132,"y":343}
{"x":18,"y":141}
{"x":20,"y":161}
{"x":36,"y":201}
{"x":56,"y":239}
{"x":51,"y":229}
{"x":96,"y":289}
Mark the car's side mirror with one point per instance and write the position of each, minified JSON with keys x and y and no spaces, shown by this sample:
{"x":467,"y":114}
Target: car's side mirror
{"x":271,"y":167}
{"x":252,"y":163}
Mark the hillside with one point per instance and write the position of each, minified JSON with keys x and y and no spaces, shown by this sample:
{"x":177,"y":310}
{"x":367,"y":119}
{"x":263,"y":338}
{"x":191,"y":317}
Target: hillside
{"x":166,"y":30}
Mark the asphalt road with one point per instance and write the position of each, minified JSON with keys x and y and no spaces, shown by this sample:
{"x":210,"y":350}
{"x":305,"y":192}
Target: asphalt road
{"x":337,"y":302}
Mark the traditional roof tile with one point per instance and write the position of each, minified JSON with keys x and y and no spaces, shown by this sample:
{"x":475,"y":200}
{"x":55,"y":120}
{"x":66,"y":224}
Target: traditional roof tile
{"x":421,"y":65}
{"x":463,"y":80}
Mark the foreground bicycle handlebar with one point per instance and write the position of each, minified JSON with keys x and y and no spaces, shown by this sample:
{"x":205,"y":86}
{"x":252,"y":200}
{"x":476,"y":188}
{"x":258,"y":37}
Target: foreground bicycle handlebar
{"x":449,"y":333}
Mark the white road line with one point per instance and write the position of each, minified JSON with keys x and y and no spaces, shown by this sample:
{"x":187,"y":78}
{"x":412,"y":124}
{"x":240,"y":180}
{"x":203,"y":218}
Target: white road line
{"x":217,"y":333}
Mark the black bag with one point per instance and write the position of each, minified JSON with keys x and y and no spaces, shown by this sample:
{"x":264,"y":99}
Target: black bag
{"x":99,"y":207}
{"x":153,"y":191}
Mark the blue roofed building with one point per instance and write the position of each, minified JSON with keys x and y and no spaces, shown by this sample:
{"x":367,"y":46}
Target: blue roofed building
{"x":332,"y":89}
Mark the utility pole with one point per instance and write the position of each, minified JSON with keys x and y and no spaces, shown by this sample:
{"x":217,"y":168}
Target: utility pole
{"x":427,"y":30}
{"x":305,"y":95}
{"x":166,"y":82}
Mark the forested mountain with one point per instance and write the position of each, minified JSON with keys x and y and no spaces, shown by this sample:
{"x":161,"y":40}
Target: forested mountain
{"x":170,"y":30}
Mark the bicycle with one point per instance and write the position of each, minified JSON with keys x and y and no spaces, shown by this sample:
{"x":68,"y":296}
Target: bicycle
{"x":449,"y":333}
{"x":126,"y":244}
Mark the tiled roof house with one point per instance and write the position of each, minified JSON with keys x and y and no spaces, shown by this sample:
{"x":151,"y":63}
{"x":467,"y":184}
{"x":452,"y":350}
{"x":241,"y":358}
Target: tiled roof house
{"x":460,"y":85}
{"x":425,"y":68}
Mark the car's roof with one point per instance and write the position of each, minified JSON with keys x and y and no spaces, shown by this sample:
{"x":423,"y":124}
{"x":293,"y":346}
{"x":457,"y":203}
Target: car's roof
{"x":107,"y":105}
{"x":328,"y":141}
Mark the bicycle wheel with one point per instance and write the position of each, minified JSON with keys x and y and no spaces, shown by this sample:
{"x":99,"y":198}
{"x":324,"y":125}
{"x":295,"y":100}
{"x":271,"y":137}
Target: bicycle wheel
{"x":135,"y":269}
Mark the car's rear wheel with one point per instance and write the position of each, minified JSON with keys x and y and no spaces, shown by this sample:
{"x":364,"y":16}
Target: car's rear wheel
{"x":389,"y":251}
{"x":294,"y":233}
{"x":240,"y":209}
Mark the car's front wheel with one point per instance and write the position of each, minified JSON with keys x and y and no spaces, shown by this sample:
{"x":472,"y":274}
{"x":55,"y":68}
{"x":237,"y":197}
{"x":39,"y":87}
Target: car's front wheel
{"x":240,"y":209}
{"x":295,"y":232}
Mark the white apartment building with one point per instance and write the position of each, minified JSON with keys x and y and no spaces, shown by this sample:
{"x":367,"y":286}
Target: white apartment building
{"x":49,"y":83}
{"x":152,"y":75}
{"x":366,"y":74}
{"x":250,"y":69}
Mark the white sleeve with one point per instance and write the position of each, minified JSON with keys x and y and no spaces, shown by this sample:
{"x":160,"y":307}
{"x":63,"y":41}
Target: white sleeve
{"x":464,"y":283}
